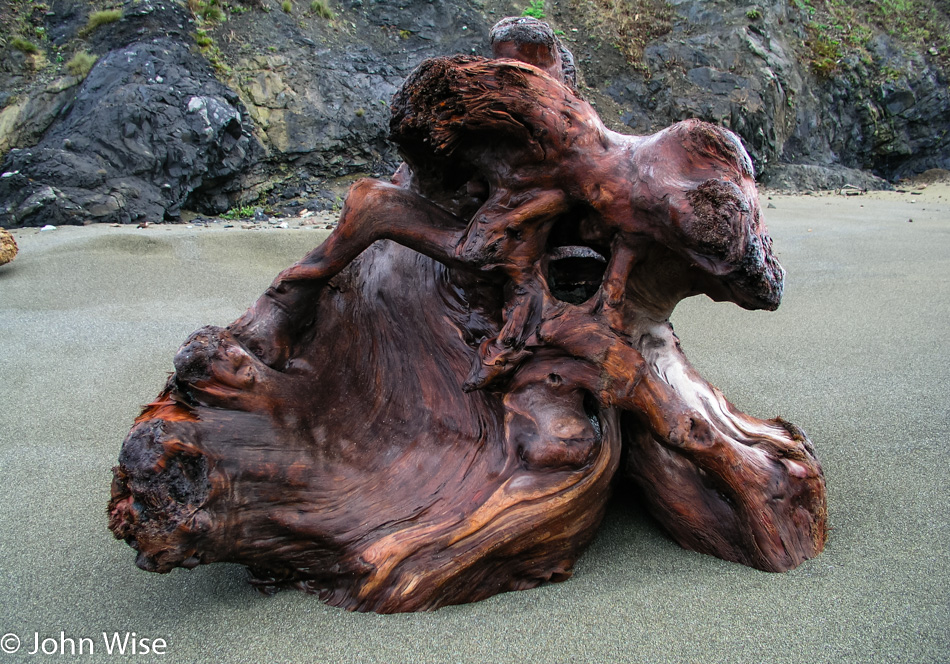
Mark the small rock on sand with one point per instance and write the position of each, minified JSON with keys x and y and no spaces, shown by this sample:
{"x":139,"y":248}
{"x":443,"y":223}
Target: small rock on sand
{"x":8,"y":248}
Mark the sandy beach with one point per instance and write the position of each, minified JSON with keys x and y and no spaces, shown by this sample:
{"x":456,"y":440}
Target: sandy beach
{"x":858,"y":355}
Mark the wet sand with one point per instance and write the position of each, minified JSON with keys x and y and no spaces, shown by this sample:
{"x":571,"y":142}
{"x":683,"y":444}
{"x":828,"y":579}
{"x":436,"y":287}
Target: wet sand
{"x":858,"y":355}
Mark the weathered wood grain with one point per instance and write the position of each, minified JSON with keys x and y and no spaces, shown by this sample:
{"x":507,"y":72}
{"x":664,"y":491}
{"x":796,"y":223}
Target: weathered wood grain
{"x":430,"y":407}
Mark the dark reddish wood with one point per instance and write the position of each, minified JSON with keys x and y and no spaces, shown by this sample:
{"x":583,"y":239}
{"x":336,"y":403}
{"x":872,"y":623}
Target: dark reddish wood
{"x":429,"y":408}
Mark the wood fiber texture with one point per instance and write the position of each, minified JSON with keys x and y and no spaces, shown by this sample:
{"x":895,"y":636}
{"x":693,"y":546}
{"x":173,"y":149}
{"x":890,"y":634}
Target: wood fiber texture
{"x":431,"y":406}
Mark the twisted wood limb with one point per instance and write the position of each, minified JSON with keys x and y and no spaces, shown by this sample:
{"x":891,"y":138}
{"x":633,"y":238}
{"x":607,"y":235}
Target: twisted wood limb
{"x":374,"y":210}
{"x":719,"y":481}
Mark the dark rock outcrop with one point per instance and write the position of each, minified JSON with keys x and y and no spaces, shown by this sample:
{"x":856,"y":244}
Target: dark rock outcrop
{"x":296,"y":100}
{"x":153,"y":128}
{"x":752,"y":76}
{"x":149,"y":130}
{"x":24,"y":122}
{"x":797,"y":178}
{"x":319,"y":90}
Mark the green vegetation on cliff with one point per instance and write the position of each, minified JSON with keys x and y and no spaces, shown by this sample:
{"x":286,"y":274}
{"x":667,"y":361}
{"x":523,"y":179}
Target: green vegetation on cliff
{"x":99,"y":18}
{"x":629,"y":25}
{"x":24,"y":45}
{"x":841,"y":28}
{"x":81,"y":64}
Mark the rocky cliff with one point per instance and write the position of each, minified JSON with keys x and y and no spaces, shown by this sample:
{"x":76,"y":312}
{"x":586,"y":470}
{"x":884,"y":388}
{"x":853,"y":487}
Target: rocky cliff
{"x":207,"y":105}
{"x":880,"y":104}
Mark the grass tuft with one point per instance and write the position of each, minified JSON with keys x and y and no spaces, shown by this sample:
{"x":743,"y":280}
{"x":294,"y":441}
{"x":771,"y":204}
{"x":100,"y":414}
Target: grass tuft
{"x":81,"y":64}
{"x":242,"y":212}
{"x":207,"y":11}
{"x":99,"y":19}
{"x":535,"y":9}
{"x":322,"y":9}
{"x":24,"y":46}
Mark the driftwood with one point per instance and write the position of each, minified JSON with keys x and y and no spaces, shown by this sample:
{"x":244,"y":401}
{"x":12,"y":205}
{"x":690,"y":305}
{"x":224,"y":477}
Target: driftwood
{"x":431,"y":407}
